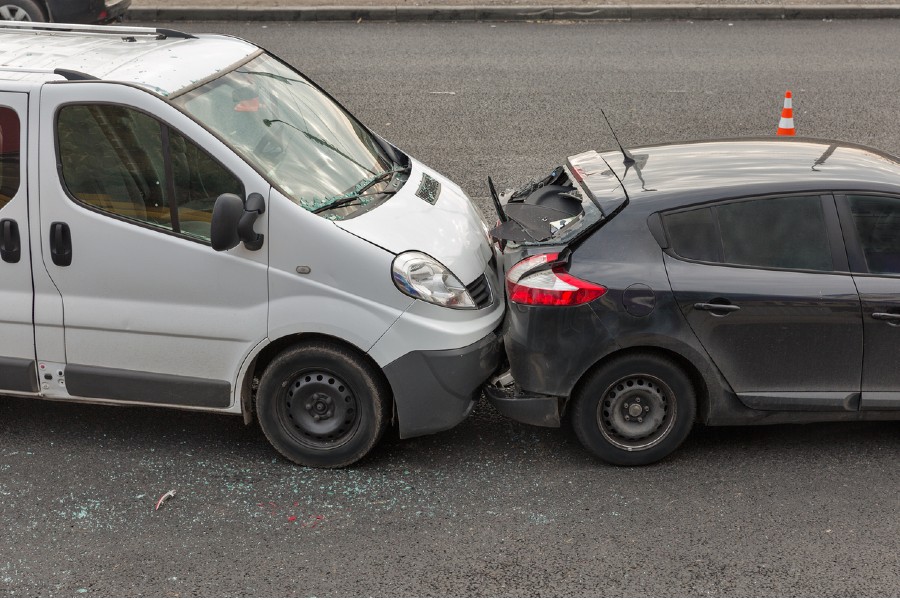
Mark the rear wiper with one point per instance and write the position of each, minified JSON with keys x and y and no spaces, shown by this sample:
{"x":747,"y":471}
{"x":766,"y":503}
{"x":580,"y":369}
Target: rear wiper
{"x":347,"y":199}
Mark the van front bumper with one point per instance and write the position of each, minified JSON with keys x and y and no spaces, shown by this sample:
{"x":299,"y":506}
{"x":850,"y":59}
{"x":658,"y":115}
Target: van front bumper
{"x":435,"y":390}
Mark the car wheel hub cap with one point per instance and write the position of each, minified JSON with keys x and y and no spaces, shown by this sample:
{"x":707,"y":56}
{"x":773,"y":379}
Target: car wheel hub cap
{"x":636,"y":412}
{"x":322,"y":408}
{"x":9,"y":12}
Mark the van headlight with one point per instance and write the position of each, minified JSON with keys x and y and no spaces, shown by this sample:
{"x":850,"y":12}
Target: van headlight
{"x":418,"y":275}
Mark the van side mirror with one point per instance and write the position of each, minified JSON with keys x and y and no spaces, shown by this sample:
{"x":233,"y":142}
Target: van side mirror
{"x":233,"y":219}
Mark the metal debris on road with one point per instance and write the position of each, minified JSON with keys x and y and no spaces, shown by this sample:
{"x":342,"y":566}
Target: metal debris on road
{"x":163,"y":498}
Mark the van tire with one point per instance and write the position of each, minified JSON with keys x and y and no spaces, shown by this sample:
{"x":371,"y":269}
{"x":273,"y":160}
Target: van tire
{"x":13,"y":10}
{"x":662,"y":403}
{"x":322,"y":405}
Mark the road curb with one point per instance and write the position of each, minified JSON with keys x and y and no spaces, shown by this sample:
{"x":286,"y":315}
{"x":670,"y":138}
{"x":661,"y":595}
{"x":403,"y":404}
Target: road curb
{"x":640,"y":12}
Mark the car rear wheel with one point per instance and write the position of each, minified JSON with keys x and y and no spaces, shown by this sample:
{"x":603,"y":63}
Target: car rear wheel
{"x":634,"y":410}
{"x":321,"y":405}
{"x":21,"y":10}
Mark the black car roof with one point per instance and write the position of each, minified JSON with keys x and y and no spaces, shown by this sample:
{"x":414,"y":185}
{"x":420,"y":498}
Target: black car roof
{"x":669,"y":174}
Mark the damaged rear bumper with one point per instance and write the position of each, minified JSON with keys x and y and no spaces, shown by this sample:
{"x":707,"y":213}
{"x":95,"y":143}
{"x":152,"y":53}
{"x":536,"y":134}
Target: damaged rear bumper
{"x":514,"y":403}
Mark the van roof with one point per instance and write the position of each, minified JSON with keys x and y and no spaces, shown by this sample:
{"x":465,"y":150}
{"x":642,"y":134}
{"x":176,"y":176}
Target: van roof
{"x":161,"y":60}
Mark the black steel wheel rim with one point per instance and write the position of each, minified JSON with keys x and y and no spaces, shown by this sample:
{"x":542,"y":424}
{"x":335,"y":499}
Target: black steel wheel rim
{"x":636,"y":412}
{"x":319,"y":409}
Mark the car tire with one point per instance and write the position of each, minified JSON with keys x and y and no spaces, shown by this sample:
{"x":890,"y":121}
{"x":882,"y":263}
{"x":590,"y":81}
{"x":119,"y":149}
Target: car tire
{"x":21,"y":10}
{"x":322,"y":405}
{"x":634,"y":410}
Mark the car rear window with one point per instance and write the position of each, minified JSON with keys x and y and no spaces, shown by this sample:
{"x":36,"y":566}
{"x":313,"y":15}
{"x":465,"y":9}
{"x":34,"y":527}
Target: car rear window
{"x":781,"y":233}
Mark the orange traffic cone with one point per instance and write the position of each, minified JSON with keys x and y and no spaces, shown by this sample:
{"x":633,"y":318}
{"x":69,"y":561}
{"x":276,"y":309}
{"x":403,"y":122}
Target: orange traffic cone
{"x":786,"y":125}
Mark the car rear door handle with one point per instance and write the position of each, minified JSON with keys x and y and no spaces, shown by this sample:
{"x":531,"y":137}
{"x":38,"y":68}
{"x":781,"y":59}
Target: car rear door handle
{"x":60,"y":244}
{"x":10,"y":242}
{"x":886,"y":316}
{"x":716,"y":308}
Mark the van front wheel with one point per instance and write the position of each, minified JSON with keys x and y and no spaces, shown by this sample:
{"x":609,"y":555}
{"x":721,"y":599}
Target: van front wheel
{"x":321,"y":405}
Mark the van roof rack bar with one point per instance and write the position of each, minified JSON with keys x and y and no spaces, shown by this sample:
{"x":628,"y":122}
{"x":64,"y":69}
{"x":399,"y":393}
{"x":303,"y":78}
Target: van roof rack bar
{"x":66,"y":73}
{"x":74,"y":75}
{"x":116,"y":30}
{"x":172,"y":33}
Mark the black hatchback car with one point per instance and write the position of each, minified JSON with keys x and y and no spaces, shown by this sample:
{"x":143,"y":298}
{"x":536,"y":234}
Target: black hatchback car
{"x":63,"y":11}
{"x":722,"y":282}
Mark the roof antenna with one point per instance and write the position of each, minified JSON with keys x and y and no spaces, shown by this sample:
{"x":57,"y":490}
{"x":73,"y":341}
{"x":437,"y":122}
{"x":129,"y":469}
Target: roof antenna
{"x":497,"y":206}
{"x":629,"y":159}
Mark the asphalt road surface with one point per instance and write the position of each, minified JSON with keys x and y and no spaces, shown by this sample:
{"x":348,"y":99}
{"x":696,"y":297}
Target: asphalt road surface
{"x":492,"y":507}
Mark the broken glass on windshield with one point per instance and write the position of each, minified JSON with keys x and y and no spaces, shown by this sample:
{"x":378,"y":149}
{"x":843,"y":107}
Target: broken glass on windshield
{"x":311,"y":149}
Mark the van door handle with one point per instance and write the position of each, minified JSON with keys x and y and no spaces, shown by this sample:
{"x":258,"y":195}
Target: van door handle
{"x":716,"y":308}
{"x":10,"y":242}
{"x":60,"y":244}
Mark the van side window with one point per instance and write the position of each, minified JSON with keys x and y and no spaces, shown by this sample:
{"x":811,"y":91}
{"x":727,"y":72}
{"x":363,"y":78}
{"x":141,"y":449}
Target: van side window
{"x":9,"y":155}
{"x":116,"y":159}
{"x":198,"y":181}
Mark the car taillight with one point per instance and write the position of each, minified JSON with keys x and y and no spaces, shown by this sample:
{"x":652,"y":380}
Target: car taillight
{"x":550,"y":286}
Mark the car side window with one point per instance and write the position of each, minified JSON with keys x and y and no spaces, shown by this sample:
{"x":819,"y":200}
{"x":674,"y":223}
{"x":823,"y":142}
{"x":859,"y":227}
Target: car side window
{"x":693,"y":234}
{"x":781,"y":233}
{"x":124,"y":162}
{"x":877,"y":221}
{"x":9,"y":155}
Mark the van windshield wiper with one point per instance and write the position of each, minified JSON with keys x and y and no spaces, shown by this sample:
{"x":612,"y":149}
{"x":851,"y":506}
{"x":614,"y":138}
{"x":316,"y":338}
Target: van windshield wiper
{"x":346,"y":199}
{"x":317,"y":140}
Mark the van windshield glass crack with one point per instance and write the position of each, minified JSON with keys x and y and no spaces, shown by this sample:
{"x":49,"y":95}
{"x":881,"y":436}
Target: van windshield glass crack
{"x":292,"y":133}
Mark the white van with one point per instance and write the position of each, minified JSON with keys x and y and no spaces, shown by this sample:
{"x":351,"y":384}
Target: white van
{"x":187,"y":221}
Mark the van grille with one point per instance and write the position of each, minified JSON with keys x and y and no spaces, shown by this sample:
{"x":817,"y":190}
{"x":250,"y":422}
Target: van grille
{"x":429,"y":189}
{"x":480,"y":290}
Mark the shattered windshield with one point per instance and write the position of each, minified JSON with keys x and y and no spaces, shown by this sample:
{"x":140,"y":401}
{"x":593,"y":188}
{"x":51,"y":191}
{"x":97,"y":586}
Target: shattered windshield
{"x":304,"y":143}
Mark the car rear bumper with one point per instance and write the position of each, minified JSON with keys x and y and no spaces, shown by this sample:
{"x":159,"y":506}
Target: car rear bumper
{"x":94,"y":11}
{"x":550,"y":347}
{"x":435,"y":390}
{"x":115,"y":9}
{"x":88,"y":11}
{"x":515,"y":404}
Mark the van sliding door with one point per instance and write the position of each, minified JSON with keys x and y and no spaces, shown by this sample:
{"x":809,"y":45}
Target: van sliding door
{"x":17,"y":361}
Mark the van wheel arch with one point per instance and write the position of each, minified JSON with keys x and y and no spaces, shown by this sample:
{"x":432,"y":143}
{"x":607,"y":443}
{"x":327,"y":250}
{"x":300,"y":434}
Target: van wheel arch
{"x":698,"y":382}
{"x":277,"y":347}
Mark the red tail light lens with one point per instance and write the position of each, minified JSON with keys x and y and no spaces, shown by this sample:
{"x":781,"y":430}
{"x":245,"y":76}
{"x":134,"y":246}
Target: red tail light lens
{"x":551,"y":286}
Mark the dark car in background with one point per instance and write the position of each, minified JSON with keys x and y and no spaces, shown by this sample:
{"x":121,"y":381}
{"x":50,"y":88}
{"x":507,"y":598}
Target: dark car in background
{"x":722,"y":282}
{"x":63,"y":11}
